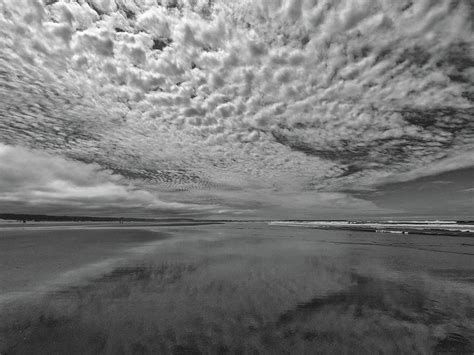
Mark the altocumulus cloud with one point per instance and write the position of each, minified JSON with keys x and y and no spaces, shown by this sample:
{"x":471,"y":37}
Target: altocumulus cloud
{"x":242,"y":103}
{"x":37,"y":181}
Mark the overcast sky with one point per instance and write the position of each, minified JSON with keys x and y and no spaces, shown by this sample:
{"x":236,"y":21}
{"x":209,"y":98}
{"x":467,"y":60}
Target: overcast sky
{"x":237,"y":109}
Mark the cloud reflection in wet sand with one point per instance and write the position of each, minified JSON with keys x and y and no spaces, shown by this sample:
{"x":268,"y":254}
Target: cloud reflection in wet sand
{"x":260,"y":290}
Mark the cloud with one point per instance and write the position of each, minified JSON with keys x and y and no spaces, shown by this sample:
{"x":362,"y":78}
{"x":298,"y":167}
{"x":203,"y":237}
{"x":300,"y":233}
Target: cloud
{"x":98,"y":42}
{"x":268,"y":203}
{"x":104,"y":5}
{"x":456,"y":162}
{"x":34,"y":180}
{"x":293,"y":95}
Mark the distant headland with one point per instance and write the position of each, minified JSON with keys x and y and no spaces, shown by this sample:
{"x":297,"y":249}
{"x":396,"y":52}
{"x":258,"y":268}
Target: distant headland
{"x":53,"y":218}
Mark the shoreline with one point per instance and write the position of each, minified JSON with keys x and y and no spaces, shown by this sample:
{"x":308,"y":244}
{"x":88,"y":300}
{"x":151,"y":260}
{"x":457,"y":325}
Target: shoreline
{"x":388,"y":228}
{"x":96,"y":225}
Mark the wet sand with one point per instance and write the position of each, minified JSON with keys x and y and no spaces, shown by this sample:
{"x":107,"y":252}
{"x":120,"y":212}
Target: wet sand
{"x":234,"y":288}
{"x":30,"y":257}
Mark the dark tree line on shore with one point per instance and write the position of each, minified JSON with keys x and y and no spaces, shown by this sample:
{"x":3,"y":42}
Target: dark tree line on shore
{"x":49,"y":218}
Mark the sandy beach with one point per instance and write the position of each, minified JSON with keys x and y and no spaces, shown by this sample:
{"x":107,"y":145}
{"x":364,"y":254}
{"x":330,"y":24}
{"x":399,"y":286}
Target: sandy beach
{"x":233,"y":288}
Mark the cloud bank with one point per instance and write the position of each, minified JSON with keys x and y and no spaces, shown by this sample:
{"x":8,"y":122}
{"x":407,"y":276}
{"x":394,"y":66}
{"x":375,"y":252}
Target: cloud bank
{"x":40,"y":182}
{"x":228,"y":101}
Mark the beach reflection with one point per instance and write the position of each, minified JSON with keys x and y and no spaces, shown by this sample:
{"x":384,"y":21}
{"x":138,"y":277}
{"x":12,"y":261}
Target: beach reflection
{"x":253,"y":288}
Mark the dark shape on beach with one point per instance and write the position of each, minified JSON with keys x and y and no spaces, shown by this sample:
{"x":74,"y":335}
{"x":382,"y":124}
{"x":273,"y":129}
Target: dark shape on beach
{"x":185,"y":350}
{"x":454,"y":343}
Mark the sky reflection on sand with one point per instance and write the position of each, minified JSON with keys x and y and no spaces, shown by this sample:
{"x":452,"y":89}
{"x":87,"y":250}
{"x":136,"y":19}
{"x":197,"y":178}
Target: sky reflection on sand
{"x":257,"y":288}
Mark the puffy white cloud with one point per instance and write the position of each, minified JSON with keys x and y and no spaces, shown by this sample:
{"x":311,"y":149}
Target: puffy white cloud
{"x":101,"y":43}
{"x":105,"y":6}
{"x":211,"y":95}
{"x":155,"y":22}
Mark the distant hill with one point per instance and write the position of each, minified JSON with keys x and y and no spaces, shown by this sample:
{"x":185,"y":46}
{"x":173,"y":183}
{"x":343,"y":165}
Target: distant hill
{"x":49,"y":218}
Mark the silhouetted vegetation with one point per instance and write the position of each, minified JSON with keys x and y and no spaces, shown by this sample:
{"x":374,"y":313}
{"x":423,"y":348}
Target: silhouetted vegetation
{"x":49,"y":218}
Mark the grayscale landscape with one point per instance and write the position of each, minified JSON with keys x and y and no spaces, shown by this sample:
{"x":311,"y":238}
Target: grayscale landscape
{"x":236,"y":177}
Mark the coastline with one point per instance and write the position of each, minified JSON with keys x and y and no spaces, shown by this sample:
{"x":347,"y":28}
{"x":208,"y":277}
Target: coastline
{"x":449,"y":230}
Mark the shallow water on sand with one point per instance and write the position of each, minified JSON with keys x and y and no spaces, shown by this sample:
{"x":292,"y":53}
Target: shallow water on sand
{"x":237,"y":288}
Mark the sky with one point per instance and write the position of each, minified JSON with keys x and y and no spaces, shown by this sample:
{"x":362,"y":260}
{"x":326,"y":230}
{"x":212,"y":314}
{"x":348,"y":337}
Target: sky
{"x":276,"y":109}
